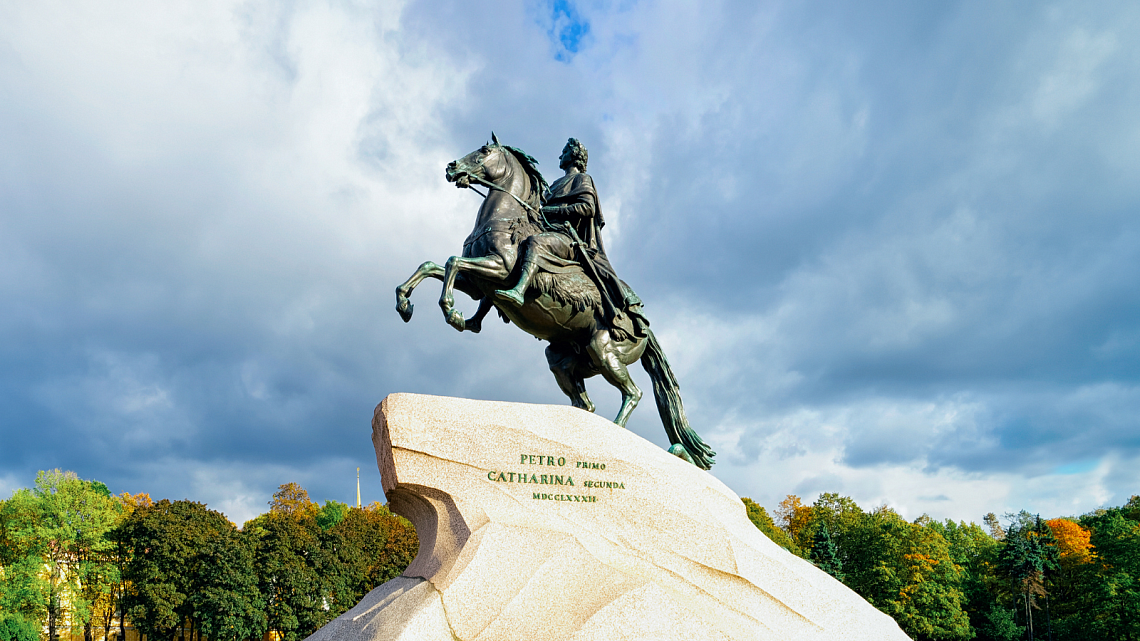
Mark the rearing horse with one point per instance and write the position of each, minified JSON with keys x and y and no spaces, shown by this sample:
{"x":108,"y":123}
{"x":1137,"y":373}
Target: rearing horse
{"x":581,"y":345}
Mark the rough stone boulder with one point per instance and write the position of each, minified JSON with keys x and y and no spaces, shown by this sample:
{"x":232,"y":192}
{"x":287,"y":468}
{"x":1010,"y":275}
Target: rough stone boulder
{"x":547,"y":522}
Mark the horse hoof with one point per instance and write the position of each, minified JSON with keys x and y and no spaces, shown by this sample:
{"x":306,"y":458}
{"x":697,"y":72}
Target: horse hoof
{"x":509,"y":296}
{"x":473,"y":326}
{"x":455,"y":319}
{"x":405,"y":310}
{"x":680,"y":452}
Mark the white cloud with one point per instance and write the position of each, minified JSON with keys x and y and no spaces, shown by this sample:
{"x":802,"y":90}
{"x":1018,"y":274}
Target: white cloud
{"x":1072,"y":81}
{"x":887,"y":251}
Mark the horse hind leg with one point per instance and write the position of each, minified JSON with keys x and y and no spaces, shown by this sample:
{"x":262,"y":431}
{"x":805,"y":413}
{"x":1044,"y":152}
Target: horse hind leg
{"x":404,"y":291}
{"x":563,"y":361}
{"x":475,"y":323}
{"x":606,"y":357}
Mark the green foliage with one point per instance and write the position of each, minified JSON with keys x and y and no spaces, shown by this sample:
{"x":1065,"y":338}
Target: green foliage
{"x":904,"y":569}
{"x":974,"y":550}
{"x":839,"y":514}
{"x":227,"y":603}
{"x":1027,"y":553}
{"x":379,"y":546}
{"x":178,"y":570}
{"x":185,"y":572}
{"x":1000,"y":624}
{"x":188,"y":565}
{"x":1108,"y":593}
{"x":297,"y":574}
{"x":23,"y":591}
{"x":825,"y":554}
{"x":331,"y":513}
{"x":759,"y":517}
{"x":62,"y":524}
{"x":15,"y":627}
{"x":948,"y":580}
{"x":308,"y":573}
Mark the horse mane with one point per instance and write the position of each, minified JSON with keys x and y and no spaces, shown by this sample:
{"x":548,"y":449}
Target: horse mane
{"x":537,"y":182}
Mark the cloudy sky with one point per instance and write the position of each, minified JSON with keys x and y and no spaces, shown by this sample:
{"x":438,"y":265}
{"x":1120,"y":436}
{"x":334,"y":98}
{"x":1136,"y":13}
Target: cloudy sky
{"x":891,"y":248}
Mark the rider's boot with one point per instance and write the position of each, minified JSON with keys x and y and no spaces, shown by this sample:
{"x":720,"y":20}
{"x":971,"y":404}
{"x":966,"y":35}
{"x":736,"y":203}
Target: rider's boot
{"x":517,"y":293}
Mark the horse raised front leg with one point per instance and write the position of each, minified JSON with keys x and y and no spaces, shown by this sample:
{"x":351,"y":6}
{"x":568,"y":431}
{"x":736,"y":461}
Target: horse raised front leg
{"x":404,"y":291}
{"x":488,"y":267}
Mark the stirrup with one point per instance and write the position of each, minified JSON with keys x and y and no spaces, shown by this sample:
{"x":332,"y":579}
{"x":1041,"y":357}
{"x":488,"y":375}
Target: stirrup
{"x":510,"y":295}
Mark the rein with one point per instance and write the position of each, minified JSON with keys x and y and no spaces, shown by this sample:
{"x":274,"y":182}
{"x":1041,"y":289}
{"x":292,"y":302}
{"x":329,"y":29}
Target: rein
{"x":490,"y":185}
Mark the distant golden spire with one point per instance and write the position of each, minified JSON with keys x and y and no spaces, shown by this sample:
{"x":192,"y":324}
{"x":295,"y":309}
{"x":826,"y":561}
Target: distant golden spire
{"x":358,"y":488}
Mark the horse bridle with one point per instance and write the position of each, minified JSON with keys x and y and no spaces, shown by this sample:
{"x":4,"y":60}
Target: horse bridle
{"x":490,"y":185}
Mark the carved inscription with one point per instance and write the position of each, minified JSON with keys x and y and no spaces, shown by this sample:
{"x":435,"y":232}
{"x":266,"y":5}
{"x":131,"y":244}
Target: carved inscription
{"x":515,"y":477}
{"x":563,"y":478}
{"x":580,"y":498}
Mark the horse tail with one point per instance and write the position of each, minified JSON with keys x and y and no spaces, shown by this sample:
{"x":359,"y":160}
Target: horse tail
{"x":686,"y":443}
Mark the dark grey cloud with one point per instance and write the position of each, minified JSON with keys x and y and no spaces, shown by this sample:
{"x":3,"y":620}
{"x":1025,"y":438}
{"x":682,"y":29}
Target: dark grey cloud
{"x":890,"y":249}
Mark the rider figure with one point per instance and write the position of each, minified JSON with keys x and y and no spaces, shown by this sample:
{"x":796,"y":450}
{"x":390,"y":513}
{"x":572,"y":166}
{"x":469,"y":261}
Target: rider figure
{"x":572,"y":209}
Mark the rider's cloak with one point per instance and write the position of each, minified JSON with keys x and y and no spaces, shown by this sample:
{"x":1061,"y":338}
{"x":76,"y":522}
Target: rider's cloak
{"x":574,"y":200}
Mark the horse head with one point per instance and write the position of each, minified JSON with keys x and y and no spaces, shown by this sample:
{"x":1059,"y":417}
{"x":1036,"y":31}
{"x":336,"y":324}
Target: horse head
{"x":489,"y":163}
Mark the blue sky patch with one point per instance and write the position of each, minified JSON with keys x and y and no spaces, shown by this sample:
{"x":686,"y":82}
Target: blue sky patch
{"x":1080,"y":467}
{"x":567,"y":30}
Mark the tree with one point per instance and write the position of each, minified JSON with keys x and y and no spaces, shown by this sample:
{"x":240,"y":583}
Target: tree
{"x":227,"y":603}
{"x":1110,"y":602}
{"x":315,"y":563}
{"x":292,"y":499}
{"x":793,"y":516}
{"x":994,"y":525}
{"x":824,"y":553}
{"x":1027,"y":553}
{"x":377,"y":547}
{"x":839,"y":515}
{"x":759,"y":517}
{"x":975,"y":551}
{"x":23,"y":591}
{"x":331,"y":513}
{"x":93,"y":555}
{"x":296,"y":574}
{"x":63,"y":522}
{"x":14,"y":627}
{"x":1131,"y":509}
{"x":905,"y":570}
{"x":999,"y":623}
{"x":122,"y":553}
{"x":188,"y":570}
{"x":1074,"y":565}
{"x":1074,"y":543}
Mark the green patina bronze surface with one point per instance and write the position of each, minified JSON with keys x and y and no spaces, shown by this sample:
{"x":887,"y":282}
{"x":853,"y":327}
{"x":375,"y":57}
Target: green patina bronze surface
{"x":536,"y":255}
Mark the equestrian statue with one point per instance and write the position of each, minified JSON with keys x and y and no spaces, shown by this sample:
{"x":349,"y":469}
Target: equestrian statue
{"x":536,"y":256}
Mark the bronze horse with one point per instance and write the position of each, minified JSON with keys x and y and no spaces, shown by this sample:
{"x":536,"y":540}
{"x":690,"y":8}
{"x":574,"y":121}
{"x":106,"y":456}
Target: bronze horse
{"x":559,"y":308}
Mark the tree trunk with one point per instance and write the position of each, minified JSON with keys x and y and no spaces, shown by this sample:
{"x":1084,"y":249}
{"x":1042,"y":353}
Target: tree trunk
{"x":1048,"y":618}
{"x":1028,"y":621}
{"x":1029,"y":613}
{"x":53,"y":606}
